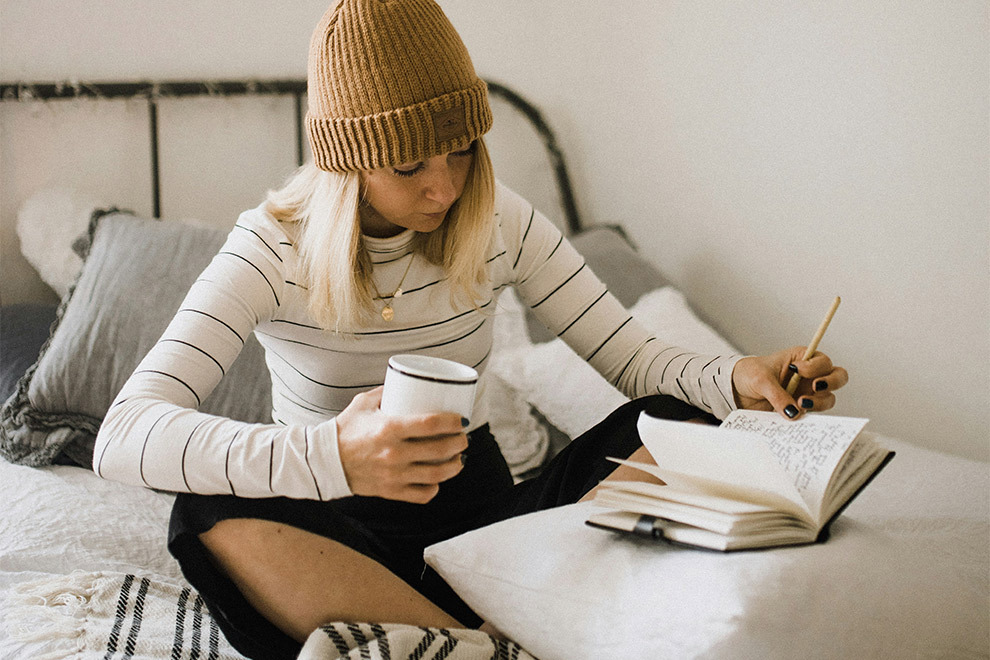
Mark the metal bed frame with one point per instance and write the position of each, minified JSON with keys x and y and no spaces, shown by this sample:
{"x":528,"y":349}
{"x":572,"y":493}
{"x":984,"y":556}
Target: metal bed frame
{"x":152,"y":92}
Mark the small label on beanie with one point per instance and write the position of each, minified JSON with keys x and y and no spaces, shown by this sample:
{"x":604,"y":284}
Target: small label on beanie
{"x":449,"y":124}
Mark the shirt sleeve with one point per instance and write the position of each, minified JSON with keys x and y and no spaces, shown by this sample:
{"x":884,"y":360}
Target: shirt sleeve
{"x":154,"y":436}
{"x":553,"y":279}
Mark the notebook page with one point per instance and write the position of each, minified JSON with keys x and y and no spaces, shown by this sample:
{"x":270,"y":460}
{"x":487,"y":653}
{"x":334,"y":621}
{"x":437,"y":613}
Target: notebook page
{"x":739,"y":460}
{"x":809,"y":448}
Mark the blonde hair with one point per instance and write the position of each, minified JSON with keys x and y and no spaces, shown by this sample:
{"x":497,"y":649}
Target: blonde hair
{"x":336,"y":268}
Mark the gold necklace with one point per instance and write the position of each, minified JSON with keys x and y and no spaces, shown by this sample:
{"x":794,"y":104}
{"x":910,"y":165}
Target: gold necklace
{"x":388,"y":313}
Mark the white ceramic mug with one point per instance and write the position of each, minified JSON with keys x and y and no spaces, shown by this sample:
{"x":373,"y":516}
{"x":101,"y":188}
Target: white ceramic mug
{"x":417,"y":384}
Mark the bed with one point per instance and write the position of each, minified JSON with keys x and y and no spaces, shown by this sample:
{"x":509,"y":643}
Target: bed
{"x":84,"y":572}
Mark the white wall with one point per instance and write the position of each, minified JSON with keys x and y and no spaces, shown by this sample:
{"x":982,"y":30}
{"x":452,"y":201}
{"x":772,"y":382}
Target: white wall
{"x":768,"y":155}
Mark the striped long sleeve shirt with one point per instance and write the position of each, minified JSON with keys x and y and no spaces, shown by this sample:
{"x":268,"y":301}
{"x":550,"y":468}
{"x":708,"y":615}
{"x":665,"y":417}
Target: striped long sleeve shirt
{"x":153,"y":434}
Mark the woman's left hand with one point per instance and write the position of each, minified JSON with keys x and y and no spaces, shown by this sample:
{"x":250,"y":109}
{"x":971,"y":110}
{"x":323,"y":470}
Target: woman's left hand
{"x":759,"y":382}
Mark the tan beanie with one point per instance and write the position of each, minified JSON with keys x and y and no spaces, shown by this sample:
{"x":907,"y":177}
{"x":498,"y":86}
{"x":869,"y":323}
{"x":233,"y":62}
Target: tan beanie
{"x":390,"y":82}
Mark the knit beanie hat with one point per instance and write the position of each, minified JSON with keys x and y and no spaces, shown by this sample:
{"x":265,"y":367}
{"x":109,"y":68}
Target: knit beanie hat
{"x":390,"y":82}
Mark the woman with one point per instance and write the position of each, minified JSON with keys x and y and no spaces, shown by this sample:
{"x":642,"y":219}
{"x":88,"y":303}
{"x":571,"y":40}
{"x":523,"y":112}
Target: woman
{"x":396,"y":239}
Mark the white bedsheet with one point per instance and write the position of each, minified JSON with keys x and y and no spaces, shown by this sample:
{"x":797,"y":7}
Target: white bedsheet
{"x":929,"y":511}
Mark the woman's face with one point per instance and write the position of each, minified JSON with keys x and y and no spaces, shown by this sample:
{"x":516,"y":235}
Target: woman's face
{"x":413,"y":195}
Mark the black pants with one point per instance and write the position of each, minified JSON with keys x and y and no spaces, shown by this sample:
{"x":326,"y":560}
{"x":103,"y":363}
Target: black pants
{"x":395,"y":533}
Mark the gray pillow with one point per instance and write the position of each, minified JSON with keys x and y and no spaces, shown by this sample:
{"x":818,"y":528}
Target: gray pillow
{"x":134,"y":278}
{"x":613,"y":259}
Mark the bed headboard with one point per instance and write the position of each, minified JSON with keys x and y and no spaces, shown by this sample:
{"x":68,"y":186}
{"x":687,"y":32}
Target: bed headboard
{"x":513,"y":113}
{"x":205,"y":150}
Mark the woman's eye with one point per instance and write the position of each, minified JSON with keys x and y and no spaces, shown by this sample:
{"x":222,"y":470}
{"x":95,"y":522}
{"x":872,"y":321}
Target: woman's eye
{"x":410,"y":172}
{"x":465,"y":152}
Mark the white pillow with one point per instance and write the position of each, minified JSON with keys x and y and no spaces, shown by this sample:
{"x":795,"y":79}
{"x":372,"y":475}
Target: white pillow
{"x":569,"y":392}
{"x":48,"y":223}
{"x":522,"y":439}
{"x":903,"y":575}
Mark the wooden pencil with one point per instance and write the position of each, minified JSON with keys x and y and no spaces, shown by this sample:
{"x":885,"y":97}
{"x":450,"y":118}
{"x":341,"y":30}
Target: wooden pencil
{"x":813,"y":344}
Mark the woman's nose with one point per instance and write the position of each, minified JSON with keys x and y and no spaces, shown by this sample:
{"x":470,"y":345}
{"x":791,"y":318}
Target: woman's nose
{"x":441,"y":187}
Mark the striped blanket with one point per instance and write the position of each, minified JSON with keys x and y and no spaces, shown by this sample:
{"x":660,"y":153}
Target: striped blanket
{"x":111,"y":616}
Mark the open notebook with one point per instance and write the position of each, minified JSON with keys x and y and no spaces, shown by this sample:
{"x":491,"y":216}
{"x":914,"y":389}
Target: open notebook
{"x":756,"y":481}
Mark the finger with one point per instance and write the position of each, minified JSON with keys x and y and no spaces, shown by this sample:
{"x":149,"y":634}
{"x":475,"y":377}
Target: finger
{"x":368,"y":400}
{"x":436,"y":449}
{"x":817,"y":365}
{"x":415,"y":493}
{"x":428,"y":424}
{"x":818,"y":402}
{"x":779,"y":399}
{"x":434,"y":473}
{"x":832,"y":381}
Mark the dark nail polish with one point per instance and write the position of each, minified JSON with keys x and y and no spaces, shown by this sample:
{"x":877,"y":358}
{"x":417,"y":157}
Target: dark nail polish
{"x":791,"y":411}
{"x":792,"y":368}
{"x":463,"y":459}
{"x":807,"y":403}
{"x":821,"y":385}
{"x":465,"y":421}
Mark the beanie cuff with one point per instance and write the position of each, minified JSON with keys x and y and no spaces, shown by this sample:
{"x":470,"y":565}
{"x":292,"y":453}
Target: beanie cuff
{"x":405,"y":135}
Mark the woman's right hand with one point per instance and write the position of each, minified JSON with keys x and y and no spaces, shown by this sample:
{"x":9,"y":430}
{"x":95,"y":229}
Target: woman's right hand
{"x":398,"y":458}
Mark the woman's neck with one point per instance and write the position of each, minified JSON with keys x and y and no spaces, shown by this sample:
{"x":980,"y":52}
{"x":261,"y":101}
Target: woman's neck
{"x":374,"y":225}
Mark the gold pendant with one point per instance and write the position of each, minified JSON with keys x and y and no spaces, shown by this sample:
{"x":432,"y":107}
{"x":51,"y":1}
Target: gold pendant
{"x":388,"y":313}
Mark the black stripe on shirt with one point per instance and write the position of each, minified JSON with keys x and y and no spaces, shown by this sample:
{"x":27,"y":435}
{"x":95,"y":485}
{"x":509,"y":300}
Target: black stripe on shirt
{"x":500,"y":254}
{"x":423,"y":327}
{"x":185,"y":343}
{"x":664,"y":372}
{"x":226,"y":461}
{"x":406,"y":292}
{"x":646,"y":373}
{"x":560,"y":242}
{"x":602,"y":345}
{"x":175,"y":378}
{"x":405,"y":248}
{"x":391,"y":261}
{"x":306,"y":344}
{"x":477,"y":365}
{"x":456,"y":339}
{"x":319,"y":495}
{"x":185,"y":449}
{"x":303,"y":403}
{"x":684,"y":368}
{"x":263,"y":241}
{"x":622,"y":372}
{"x":271,"y":464}
{"x":683,"y":391}
{"x":313,"y":380}
{"x":701,"y":394}
{"x":522,"y":243}
{"x":719,"y":389}
{"x":297,"y":324}
{"x":559,"y":287}
{"x":144,"y":446}
{"x":220,"y":321}
{"x":260,"y":272}
{"x":581,"y":315}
